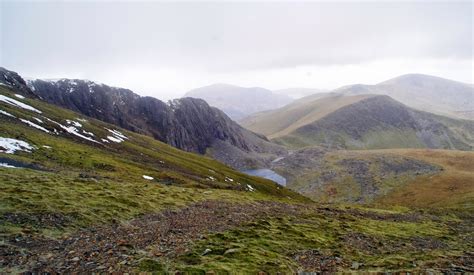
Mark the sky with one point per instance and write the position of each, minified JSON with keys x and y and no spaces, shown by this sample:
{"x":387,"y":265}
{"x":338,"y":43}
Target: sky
{"x":164,"y":49}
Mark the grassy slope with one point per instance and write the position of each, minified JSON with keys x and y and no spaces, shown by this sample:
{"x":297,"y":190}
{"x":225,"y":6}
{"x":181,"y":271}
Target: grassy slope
{"x":325,"y":240}
{"x":444,"y":178}
{"x":360,"y":126}
{"x":84,"y":184}
{"x":282,"y":121}
{"x":453,"y":187}
{"x":98,"y":183}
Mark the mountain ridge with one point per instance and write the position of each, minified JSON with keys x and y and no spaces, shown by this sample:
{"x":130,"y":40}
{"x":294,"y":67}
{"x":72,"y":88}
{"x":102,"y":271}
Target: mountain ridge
{"x":188,"y":124}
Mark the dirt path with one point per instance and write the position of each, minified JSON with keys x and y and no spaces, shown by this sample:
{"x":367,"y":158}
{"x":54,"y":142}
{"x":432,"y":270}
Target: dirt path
{"x":115,"y":247}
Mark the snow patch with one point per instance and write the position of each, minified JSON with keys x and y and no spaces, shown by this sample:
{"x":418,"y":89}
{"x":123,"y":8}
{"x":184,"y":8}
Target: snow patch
{"x":74,"y":123}
{"x":37,"y":119}
{"x":88,"y":133}
{"x":6,"y":165}
{"x":19,"y":96}
{"x":116,"y":136}
{"x":117,"y":133}
{"x":114,"y":139}
{"x":46,"y":146}
{"x":147,"y":177}
{"x":32,"y":124}
{"x":11,"y":145}
{"x":211,"y":178}
{"x":73,"y":130}
{"x":6,"y":113}
{"x":250,"y":188}
{"x":227,"y":179}
{"x":17,"y":103}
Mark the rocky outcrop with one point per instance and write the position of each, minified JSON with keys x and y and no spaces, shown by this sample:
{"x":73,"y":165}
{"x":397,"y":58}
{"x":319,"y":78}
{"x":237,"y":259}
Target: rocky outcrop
{"x":15,"y":81}
{"x":187,"y":123}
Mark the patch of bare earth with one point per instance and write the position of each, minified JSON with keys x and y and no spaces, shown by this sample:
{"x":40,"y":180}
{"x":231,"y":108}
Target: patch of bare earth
{"x":118,"y":247}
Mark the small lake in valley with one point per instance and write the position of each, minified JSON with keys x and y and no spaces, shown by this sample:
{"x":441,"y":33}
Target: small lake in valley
{"x":268,"y":174}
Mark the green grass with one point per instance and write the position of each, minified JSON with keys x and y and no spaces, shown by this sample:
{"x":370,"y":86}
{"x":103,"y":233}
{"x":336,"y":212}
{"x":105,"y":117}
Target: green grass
{"x":269,"y":244}
{"x":91,"y":183}
{"x":87,"y":201}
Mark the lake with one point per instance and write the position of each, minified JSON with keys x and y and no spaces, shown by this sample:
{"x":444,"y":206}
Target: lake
{"x":268,"y":174}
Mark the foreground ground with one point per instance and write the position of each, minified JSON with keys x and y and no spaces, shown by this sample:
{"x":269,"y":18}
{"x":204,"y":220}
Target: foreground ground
{"x":251,"y":236}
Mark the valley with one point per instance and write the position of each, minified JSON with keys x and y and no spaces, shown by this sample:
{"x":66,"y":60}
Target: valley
{"x":98,"y":179}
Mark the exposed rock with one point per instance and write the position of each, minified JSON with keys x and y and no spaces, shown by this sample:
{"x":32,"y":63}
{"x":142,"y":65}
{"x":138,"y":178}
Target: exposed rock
{"x":188,"y":123}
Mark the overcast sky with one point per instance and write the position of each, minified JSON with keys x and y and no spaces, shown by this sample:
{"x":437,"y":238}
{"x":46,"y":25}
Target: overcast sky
{"x":164,"y":49}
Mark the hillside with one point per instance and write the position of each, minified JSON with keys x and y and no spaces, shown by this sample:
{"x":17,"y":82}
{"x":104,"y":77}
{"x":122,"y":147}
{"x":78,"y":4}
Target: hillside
{"x":424,"y":92}
{"x":380,"y":122}
{"x":404,"y":177}
{"x":284,"y":120}
{"x":80,"y":195}
{"x":361,"y":122}
{"x":299,"y":92}
{"x":239,"y":102}
{"x":187,"y":123}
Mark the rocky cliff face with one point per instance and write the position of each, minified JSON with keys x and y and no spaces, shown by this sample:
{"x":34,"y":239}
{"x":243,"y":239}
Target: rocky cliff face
{"x":14,"y":80}
{"x":188,"y":123}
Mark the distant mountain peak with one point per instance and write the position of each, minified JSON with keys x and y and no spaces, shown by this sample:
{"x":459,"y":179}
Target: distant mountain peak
{"x":238,"y":102}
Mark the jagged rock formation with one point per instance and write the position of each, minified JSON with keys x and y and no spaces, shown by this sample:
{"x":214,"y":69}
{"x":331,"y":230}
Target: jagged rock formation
{"x":188,"y":123}
{"x":14,"y":80}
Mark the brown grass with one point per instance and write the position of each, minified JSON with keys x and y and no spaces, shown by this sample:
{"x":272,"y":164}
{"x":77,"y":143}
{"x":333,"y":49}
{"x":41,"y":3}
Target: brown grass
{"x":285,"y":120}
{"x":452,"y":187}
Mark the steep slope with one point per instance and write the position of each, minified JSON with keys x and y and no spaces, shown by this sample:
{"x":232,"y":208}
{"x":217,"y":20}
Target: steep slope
{"x":187,"y":123}
{"x":282,"y":121}
{"x":423,"y":92}
{"x":238,"y":102}
{"x":48,"y":138}
{"x":380,"y":122}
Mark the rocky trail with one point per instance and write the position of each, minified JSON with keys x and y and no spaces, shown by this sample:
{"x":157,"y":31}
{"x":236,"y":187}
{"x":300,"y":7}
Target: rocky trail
{"x":170,"y":234}
{"x":118,"y":247}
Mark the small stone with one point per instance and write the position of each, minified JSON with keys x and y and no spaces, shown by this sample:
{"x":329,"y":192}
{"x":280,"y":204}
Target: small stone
{"x":355,"y":265}
{"x":230,"y":251}
{"x":207,"y":251}
{"x":75,"y":259}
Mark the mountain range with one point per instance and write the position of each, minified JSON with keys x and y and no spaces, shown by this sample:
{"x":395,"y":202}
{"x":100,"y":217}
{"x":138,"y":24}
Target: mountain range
{"x":363,"y":121}
{"x":423,"y":92}
{"x":239,"y":102}
{"x":97,"y":179}
{"x":188,"y":123}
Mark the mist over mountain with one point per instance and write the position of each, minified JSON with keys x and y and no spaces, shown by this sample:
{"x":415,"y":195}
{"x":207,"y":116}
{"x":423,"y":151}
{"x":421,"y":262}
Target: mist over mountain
{"x":239,"y":102}
{"x":118,"y":156}
{"x":423,"y":92}
{"x":361,"y":122}
{"x":299,"y":92}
